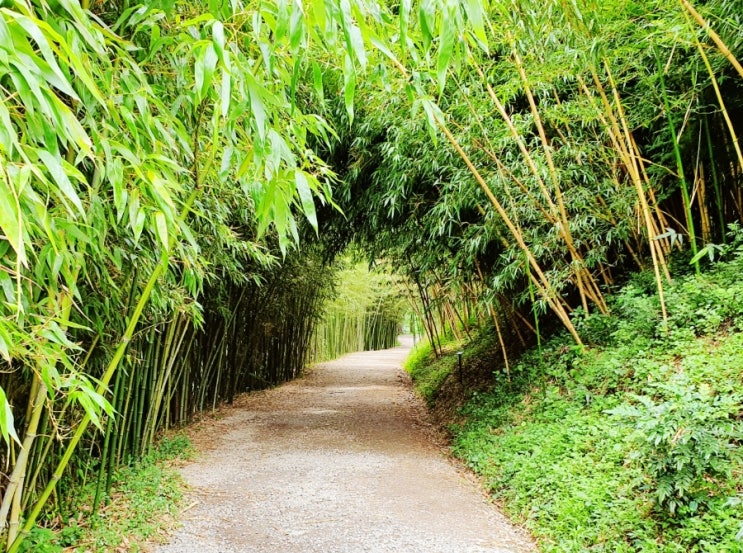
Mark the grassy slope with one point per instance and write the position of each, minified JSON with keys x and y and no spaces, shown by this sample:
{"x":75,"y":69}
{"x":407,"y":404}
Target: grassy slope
{"x":630,"y":444}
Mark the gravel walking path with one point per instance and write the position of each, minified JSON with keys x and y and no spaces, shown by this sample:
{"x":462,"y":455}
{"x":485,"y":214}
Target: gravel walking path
{"x":340,"y":461}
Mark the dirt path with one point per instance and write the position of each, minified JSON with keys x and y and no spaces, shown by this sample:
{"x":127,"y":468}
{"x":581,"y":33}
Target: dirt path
{"x":341,"y":461}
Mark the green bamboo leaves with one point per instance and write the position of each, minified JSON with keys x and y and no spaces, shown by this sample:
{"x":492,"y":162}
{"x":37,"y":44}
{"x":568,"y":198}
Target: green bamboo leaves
{"x":7,"y":427}
{"x":138,"y":162}
{"x":548,"y":107}
{"x":11,"y":216}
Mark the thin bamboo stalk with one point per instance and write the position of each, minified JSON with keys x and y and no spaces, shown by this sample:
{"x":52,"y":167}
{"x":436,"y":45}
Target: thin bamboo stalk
{"x":545,"y":287}
{"x":655,"y":251}
{"x":721,"y":102}
{"x":83,"y":425}
{"x":587,"y":285}
{"x":715,"y":180}
{"x":714,"y":36}
{"x":679,"y":163}
{"x":14,"y":490}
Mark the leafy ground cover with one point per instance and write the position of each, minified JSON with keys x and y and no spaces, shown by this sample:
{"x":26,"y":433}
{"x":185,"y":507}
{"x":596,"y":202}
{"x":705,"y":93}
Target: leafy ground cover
{"x":630,"y":443}
{"x":145,"y":498}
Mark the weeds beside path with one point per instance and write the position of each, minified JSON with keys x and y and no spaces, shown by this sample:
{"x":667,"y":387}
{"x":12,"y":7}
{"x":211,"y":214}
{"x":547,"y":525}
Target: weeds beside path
{"x":342,"y":460}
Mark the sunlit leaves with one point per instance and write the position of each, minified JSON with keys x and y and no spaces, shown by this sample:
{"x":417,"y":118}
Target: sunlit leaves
{"x":11,"y":217}
{"x":7,"y":427}
{"x":302,"y":181}
{"x":349,"y":86}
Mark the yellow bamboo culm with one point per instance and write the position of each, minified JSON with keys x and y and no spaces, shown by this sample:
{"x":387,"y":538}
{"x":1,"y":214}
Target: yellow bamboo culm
{"x":656,"y":251}
{"x":714,"y":36}
{"x":587,"y":285}
{"x":721,"y":102}
{"x":547,"y":290}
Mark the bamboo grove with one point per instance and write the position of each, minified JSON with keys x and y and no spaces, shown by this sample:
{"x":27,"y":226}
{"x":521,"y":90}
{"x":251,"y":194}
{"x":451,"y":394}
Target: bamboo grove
{"x":155,"y":181}
{"x":552,"y":149}
{"x":365,"y":312}
{"x":161,"y":163}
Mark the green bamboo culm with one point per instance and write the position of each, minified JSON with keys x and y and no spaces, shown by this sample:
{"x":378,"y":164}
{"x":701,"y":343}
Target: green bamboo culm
{"x":83,"y":425}
{"x":719,"y":204}
{"x":104,"y":469}
{"x":679,"y":162}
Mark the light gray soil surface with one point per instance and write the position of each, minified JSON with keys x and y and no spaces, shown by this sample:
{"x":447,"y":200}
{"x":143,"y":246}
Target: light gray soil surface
{"x":340,"y":461}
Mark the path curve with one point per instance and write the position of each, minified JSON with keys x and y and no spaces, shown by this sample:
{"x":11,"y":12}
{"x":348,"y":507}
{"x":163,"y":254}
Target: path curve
{"x":340,"y":461}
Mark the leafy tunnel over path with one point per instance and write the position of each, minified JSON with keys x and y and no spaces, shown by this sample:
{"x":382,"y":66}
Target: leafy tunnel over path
{"x":161,"y":162}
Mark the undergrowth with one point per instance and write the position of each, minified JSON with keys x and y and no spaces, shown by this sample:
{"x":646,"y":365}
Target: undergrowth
{"x":429,"y":372}
{"x":144,"y":500}
{"x":632,"y":442}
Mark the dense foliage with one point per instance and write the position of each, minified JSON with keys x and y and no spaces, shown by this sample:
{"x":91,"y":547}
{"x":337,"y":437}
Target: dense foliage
{"x":153,"y":178}
{"x":552,"y":149}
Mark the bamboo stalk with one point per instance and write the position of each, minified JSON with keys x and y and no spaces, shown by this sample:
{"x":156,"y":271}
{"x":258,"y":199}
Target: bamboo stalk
{"x":713,"y":35}
{"x":655,"y":251}
{"x":721,"y":102}
{"x":82,"y":427}
{"x":679,"y":163}
{"x":545,"y":287}
{"x":715,"y":181}
{"x":13,"y":491}
{"x":583,"y":277}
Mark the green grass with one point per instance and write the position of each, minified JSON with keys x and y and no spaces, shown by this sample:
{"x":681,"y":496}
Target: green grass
{"x":632,"y":443}
{"x":144,"y":500}
{"x":428,"y":372}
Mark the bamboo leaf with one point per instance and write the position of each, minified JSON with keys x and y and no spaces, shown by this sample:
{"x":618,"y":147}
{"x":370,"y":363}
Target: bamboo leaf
{"x":115,"y":173}
{"x":433,"y":114}
{"x":84,"y":400}
{"x":210,"y":60}
{"x":356,"y":43}
{"x":10,"y":217}
{"x":281,"y":29}
{"x":7,"y":423}
{"x":54,"y":75}
{"x":427,"y":20}
{"x":405,"y":7}
{"x":58,"y":170}
{"x":317,"y":82}
{"x":8,"y":136}
{"x":386,"y":51}
{"x":447,"y":41}
{"x":162,"y":229}
{"x":305,"y":195}
{"x":349,"y":87}
{"x":218,"y":39}
{"x":137,"y":224}
{"x":6,"y":283}
{"x":257,"y":108}
{"x":476,"y":11}
{"x":319,"y":12}
{"x":226,"y":93}
{"x":295,"y":80}
{"x":162,"y":195}
{"x":352,"y":33}
{"x":296,"y":27}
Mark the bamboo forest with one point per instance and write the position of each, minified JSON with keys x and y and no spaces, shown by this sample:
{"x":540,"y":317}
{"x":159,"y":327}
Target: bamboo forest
{"x":200,"y":199}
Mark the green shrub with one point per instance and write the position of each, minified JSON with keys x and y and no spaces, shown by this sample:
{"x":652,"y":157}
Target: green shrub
{"x":683,"y":438}
{"x":427,"y":372}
